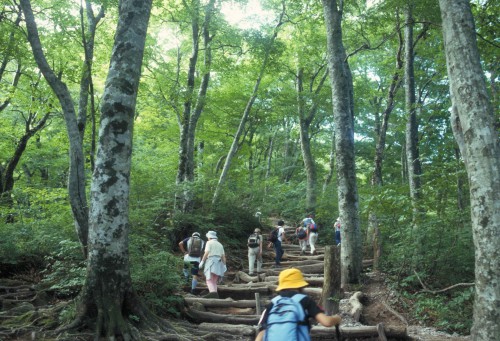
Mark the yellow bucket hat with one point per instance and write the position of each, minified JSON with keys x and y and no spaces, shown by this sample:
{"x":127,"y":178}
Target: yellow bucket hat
{"x":291,"y":279}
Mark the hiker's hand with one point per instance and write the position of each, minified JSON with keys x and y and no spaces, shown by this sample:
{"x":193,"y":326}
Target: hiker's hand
{"x":201,"y":264}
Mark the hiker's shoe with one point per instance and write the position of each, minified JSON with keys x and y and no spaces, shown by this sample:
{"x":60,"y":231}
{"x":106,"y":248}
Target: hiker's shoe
{"x":302,"y":252}
{"x":250,"y":274}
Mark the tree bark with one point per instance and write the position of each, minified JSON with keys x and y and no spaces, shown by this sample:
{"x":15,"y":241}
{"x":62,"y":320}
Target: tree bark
{"x":412,"y":150}
{"x":193,"y":109}
{"x":76,"y":176}
{"x":108,"y":291}
{"x":351,"y":255}
{"x":332,"y":293}
{"x":305,"y":120}
{"x":473,"y":126}
{"x":86,"y":83}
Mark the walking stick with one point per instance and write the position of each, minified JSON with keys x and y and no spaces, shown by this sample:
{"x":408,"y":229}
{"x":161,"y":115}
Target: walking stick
{"x":337,"y":331}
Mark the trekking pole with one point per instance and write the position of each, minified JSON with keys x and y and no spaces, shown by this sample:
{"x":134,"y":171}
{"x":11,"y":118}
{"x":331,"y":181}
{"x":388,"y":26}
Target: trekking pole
{"x":337,"y":331}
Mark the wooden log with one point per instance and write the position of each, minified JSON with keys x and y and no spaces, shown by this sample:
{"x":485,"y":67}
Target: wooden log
{"x":242,"y":276}
{"x":234,"y":329}
{"x":202,"y":316}
{"x":231,"y":311}
{"x":306,"y":269}
{"x":227,"y":302}
{"x":381,"y":332}
{"x":294,"y":263}
{"x":243,"y":292}
{"x":330,"y":297}
{"x":258,"y":306}
{"x":360,"y":331}
{"x":357,"y":306}
{"x":306,"y":256}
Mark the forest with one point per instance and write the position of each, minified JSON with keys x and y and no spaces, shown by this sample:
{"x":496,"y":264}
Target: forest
{"x":128,"y":125}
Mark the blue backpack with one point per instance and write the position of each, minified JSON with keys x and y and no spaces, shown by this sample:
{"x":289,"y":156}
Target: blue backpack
{"x":286,"y":320}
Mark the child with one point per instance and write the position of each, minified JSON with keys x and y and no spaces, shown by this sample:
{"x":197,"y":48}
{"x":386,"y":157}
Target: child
{"x":273,"y":324}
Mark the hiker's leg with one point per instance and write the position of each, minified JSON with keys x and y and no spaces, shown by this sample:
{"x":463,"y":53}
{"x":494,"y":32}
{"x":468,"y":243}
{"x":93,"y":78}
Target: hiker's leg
{"x":194,"y":272}
{"x":259,"y":263}
{"x":251,"y":260}
{"x":279,"y":252}
{"x":185,"y":271}
{"x":212,"y":282}
{"x":312,"y":241}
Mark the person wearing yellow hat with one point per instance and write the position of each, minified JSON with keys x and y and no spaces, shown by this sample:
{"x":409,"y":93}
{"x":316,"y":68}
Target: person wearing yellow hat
{"x":287,"y":315}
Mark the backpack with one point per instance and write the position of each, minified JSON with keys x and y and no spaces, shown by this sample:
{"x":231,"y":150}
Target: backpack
{"x":195,"y":245}
{"x":253,"y":240}
{"x":287,"y":320}
{"x":313,"y":227}
{"x":273,"y":236}
{"x":301,"y":234}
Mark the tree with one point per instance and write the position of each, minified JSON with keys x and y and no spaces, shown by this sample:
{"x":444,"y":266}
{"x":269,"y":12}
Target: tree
{"x":343,"y":112}
{"x":76,"y":177}
{"x":192,"y":108}
{"x":473,"y":126}
{"x":246,"y":112}
{"x":108,"y":289}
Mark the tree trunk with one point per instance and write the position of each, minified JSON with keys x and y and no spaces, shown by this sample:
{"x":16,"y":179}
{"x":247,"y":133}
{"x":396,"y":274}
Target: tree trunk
{"x":373,"y":231}
{"x":473,"y":126}
{"x":305,"y":120}
{"x":108,"y":289}
{"x":412,"y":151}
{"x":234,"y":146}
{"x":351,"y":254}
{"x":76,"y":177}
{"x":86,"y":83}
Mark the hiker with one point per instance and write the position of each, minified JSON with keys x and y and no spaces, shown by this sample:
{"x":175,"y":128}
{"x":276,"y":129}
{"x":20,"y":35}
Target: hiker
{"x":254,"y":251}
{"x":337,"y":231}
{"x":192,"y":248}
{"x":277,"y":237}
{"x":214,"y":263}
{"x":287,"y":315}
{"x":307,"y":220}
{"x":313,"y":236}
{"x":302,"y":234}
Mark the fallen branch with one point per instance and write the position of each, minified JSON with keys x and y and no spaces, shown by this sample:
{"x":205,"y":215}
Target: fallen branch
{"x":458,"y":285}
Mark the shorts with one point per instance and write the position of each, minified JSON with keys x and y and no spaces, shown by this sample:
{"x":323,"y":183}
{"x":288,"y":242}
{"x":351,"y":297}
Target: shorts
{"x":195,"y":267}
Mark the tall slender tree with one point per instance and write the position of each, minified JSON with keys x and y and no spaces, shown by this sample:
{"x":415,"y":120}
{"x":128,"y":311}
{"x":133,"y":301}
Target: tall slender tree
{"x":343,"y":112}
{"x":472,"y":121}
{"x":76,"y":176}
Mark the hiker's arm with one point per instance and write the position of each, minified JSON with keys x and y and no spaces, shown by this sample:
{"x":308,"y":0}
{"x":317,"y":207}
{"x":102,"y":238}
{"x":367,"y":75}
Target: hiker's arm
{"x":260,"y":335}
{"x":327,"y":321}
{"x":181,"y":246}
{"x":205,"y":255}
{"x":223,"y":257}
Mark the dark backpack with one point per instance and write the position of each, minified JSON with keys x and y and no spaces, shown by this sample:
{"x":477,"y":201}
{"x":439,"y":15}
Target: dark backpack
{"x":301,"y":234}
{"x":313,"y":227}
{"x":273,"y":236}
{"x":287,"y":320}
{"x":195,"y":245}
{"x":253,"y":240}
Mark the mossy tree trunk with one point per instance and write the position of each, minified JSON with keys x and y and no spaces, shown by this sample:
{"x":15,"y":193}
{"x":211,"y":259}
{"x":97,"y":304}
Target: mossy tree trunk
{"x":343,"y":111}
{"x":473,"y":124}
{"x":108,"y":296}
